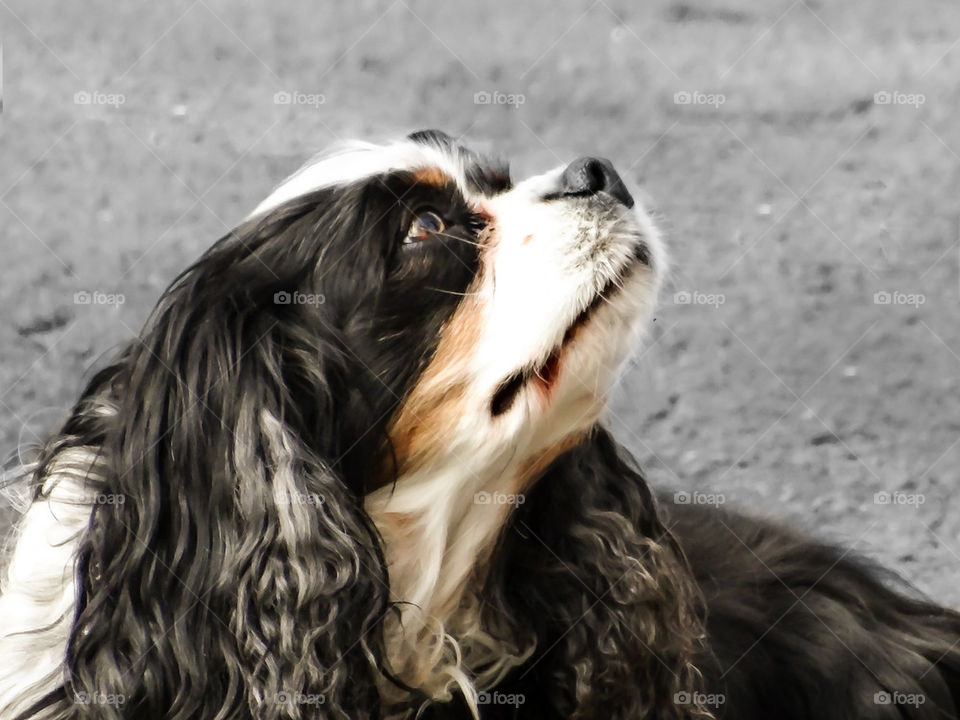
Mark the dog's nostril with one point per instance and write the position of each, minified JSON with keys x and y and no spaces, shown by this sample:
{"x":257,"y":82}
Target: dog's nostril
{"x":589,"y":176}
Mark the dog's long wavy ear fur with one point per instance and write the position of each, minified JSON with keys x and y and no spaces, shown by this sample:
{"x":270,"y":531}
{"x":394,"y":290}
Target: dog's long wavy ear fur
{"x":239,"y":576}
{"x":589,"y":565}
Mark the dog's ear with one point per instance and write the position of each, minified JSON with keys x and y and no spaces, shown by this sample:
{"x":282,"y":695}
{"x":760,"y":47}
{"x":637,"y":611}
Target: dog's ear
{"x":237,"y":575}
{"x":590,"y":567}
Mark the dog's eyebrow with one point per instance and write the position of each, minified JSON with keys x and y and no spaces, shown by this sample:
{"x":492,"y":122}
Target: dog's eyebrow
{"x":432,"y":176}
{"x":488,"y":176}
{"x":483,"y":175}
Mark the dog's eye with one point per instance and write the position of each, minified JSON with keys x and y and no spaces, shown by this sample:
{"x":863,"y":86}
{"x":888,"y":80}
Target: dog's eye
{"x":423,"y":225}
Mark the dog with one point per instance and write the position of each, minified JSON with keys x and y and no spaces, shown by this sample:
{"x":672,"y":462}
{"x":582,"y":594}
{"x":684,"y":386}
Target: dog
{"x":354,"y":466}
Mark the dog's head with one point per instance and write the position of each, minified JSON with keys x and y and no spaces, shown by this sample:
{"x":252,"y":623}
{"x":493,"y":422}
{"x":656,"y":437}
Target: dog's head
{"x":485,"y":315}
{"x":335,"y":410}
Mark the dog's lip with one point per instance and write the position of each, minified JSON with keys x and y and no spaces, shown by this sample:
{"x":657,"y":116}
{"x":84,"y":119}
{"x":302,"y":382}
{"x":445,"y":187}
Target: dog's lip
{"x":612,"y":287}
{"x":545,"y":373}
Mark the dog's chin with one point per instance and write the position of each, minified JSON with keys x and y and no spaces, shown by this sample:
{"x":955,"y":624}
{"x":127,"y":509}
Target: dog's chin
{"x":599,"y":327}
{"x":569,"y":387}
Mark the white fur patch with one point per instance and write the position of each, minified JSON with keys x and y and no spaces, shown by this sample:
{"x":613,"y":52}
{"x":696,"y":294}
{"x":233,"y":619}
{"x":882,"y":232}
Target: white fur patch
{"x":545,"y":262}
{"x":38,"y":593}
{"x":356,"y":161}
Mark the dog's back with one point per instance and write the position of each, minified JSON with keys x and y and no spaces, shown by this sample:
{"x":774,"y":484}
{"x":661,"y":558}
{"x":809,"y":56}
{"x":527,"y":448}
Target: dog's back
{"x":800,"y":629}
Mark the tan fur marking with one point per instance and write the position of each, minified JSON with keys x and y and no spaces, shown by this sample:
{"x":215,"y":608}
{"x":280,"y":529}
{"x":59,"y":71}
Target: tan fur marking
{"x":432,"y":176}
{"x":437,"y":401}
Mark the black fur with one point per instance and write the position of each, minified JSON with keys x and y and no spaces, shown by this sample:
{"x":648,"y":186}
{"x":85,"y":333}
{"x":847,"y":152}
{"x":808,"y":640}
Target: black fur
{"x":795,"y":629}
{"x":204,"y":594}
{"x":589,"y":567}
{"x":799,"y":629}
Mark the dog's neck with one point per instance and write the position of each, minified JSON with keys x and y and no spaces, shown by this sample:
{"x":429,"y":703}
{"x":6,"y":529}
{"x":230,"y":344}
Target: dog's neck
{"x":440,"y":525}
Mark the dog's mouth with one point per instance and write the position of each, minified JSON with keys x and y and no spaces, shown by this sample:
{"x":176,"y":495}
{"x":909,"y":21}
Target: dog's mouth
{"x":545,"y":374}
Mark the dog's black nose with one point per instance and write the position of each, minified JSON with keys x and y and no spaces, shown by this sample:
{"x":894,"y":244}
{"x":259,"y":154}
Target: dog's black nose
{"x":589,"y":176}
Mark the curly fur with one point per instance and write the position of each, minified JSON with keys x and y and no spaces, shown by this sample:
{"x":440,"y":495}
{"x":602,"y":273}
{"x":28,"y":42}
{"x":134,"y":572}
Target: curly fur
{"x":262,"y":596}
{"x":590,"y":562}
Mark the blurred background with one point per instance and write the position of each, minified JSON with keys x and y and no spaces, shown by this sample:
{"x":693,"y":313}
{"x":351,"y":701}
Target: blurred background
{"x":803,"y":159}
